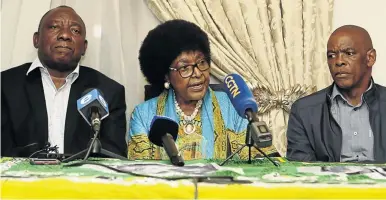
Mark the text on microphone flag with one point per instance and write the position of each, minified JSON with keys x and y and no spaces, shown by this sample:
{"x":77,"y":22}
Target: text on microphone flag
{"x":232,"y":86}
{"x":92,"y":99}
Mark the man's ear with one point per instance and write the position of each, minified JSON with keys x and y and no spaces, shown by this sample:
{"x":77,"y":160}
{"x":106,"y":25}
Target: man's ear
{"x":35,"y":39}
{"x":371,"y":57}
{"x":85,"y":47}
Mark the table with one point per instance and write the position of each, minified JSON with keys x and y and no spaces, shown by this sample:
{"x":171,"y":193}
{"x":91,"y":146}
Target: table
{"x":236,"y":179}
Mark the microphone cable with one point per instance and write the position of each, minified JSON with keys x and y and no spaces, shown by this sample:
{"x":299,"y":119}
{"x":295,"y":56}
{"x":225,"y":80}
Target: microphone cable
{"x":47,"y":149}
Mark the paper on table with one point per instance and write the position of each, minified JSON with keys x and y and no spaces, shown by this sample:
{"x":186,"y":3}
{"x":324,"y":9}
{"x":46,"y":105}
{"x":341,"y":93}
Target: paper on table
{"x":165,"y":170}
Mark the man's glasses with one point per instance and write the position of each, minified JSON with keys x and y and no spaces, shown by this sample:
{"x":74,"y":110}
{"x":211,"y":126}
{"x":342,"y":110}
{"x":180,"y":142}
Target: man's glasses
{"x":188,"y":70}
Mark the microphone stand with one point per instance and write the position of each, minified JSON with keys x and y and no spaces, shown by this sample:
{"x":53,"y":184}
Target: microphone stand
{"x":95,"y":146}
{"x":249,"y":143}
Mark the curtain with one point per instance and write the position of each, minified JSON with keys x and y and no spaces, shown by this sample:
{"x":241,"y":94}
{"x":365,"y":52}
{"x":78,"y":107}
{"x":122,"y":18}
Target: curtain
{"x":278,"y":46}
{"x":115,"y":30}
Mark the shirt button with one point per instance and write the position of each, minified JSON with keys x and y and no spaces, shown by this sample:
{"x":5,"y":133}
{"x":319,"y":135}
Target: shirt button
{"x":355,"y":133}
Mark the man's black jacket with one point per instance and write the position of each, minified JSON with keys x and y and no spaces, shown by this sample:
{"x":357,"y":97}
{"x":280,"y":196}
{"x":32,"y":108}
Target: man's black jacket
{"x":24,"y":114}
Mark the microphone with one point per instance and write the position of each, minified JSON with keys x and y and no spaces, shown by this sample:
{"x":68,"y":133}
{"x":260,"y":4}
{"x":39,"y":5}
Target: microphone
{"x":93,"y":107}
{"x":163,"y":133}
{"x":240,"y":96}
{"x":245,"y":104}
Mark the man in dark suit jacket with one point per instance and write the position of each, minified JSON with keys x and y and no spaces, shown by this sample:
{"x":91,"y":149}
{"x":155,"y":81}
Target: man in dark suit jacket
{"x":38,"y":100}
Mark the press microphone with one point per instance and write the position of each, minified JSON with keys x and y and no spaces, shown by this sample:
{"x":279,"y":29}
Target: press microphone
{"x":240,"y":96}
{"x":93,"y":107}
{"x":245,"y":104}
{"x":163,"y":133}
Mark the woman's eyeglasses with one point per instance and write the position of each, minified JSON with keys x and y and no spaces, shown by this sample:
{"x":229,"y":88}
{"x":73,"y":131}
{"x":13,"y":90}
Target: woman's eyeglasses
{"x":188,"y":70}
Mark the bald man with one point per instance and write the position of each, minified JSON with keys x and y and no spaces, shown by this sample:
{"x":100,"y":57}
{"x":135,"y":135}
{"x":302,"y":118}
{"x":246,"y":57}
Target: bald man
{"x":345,"y":122}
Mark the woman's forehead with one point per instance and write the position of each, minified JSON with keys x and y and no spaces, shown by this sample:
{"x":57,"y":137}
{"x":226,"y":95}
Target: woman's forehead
{"x":188,"y":55}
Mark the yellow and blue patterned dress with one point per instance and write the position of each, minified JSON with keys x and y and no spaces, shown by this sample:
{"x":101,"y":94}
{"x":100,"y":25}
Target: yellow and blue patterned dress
{"x":219,"y":131}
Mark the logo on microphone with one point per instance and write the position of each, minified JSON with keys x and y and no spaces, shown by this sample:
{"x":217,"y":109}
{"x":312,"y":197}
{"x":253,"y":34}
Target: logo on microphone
{"x":232,"y":86}
{"x":102,"y":100}
{"x":86,"y":99}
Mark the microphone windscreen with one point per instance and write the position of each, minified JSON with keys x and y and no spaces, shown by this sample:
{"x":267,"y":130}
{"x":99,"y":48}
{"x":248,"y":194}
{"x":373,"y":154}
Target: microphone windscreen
{"x":87,"y":91}
{"x":239,"y":94}
{"x":90,"y":89}
{"x":161,"y":125}
{"x":92,"y":98}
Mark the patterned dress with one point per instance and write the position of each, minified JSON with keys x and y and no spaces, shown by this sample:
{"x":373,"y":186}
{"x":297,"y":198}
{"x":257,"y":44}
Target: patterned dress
{"x":219,"y":130}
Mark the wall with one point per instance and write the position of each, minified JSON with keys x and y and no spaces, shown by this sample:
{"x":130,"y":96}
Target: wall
{"x":371,"y":15}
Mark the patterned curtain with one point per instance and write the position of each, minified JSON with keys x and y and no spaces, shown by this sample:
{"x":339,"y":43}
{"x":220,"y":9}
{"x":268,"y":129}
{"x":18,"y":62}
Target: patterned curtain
{"x":278,"y":46}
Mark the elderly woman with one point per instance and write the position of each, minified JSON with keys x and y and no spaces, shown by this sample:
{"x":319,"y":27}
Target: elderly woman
{"x":175,"y":59}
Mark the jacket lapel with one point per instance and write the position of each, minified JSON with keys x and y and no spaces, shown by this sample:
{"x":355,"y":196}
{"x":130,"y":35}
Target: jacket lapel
{"x":35,"y":95}
{"x":72,"y":116}
{"x":333,"y":135}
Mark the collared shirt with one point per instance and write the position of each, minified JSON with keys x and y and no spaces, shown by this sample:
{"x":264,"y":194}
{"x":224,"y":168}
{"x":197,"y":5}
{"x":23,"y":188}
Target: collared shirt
{"x":357,"y":136}
{"x":56,"y":103}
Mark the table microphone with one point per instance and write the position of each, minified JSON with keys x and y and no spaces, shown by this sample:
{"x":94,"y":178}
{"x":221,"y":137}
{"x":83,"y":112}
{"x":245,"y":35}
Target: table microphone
{"x":93,"y":107}
{"x":163,"y":133}
{"x":246,"y":106}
